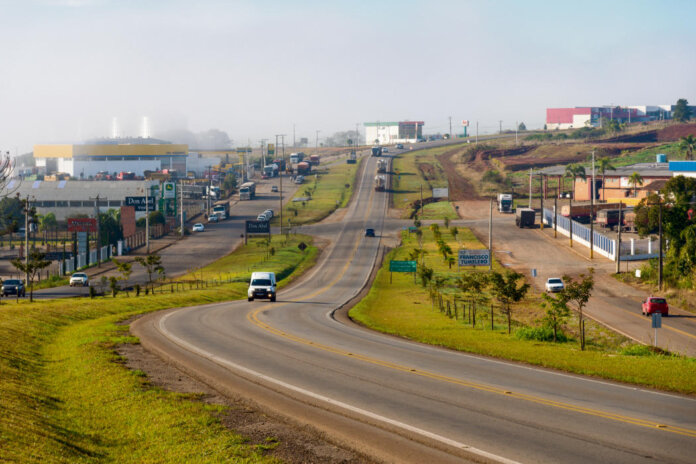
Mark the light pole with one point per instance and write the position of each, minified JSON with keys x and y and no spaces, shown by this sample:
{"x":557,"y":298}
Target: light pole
{"x":592,"y":210}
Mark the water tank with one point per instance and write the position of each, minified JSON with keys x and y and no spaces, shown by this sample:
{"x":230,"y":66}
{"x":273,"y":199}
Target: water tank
{"x":661,"y":158}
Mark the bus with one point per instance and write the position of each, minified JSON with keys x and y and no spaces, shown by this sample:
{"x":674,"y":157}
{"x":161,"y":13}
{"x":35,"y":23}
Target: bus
{"x":247,"y":191}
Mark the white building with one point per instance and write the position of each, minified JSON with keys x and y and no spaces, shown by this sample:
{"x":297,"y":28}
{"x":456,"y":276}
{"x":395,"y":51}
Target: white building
{"x":387,"y":133}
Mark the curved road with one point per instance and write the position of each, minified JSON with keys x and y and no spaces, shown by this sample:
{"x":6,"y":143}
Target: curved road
{"x":403,"y":401}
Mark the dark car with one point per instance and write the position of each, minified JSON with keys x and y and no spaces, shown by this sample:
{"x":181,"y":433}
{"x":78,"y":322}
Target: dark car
{"x":369,"y":232}
{"x":13,"y":287}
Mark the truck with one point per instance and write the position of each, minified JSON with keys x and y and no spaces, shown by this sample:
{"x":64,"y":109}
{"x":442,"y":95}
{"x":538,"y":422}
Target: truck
{"x":505,"y":202}
{"x":247,"y":191}
{"x":376,"y":151}
{"x":581,"y":212}
{"x":280,"y":163}
{"x":352,"y":158}
{"x":296,"y":157}
{"x":123,"y":175}
{"x":303,"y":168}
{"x":314,"y":160}
{"x":525,"y":217}
{"x":270,"y":170}
{"x":222,"y":210}
{"x":213,"y":191}
{"x":381,"y":165}
{"x":610,"y":217}
{"x":380,"y":183}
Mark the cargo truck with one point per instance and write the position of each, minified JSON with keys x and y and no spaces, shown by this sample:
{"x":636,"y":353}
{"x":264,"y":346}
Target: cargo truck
{"x":247,"y":191}
{"x":296,"y":157}
{"x":270,"y":170}
{"x":380,"y":183}
{"x":352,"y":158}
{"x":303,"y":168}
{"x":381,"y":165}
{"x":376,"y":151}
{"x":314,"y":160}
{"x":581,"y":212}
{"x":525,"y":217}
{"x":610,"y":217}
{"x":222,"y":210}
{"x":280,"y":163}
{"x":505,"y":202}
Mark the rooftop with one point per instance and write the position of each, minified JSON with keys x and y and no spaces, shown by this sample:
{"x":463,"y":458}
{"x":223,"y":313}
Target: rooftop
{"x":644,"y":169}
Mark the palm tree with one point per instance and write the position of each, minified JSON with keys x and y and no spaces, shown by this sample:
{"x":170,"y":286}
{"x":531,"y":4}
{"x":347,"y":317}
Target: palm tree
{"x":575,"y":171}
{"x":604,"y":164}
{"x":635,"y":180}
{"x":688,"y":144}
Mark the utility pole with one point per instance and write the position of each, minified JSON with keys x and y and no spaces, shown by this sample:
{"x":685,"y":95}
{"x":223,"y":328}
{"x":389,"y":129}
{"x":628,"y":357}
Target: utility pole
{"x":490,"y":237}
{"x":96,"y":215}
{"x":316,"y":145}
{"x":293,"y":135}
{"x":659,"y":275}
{"x":280,"y":178}
{"x":501,"y":126}
{"x":516,"y":127}
{"x":618,"y":242}
{"x":541,"y":195}
{"x":530,"y":187}
{"x":421,"y":203}
{"x":27,"y":211}
{"x":476,"y":132}
{"x":555,"y":215}
{"x":264,"y":155}
{"x":357,"y":135}
{"x":147,"y":213}
{"x":450,"y":131}
{"x":210,"y":185}
{"x":181,"y":207}
{"x":592,"y":210}
{"x":570,"y":217}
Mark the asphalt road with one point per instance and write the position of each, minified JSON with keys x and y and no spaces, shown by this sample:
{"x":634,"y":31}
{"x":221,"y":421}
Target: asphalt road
{"x":402,"y":401}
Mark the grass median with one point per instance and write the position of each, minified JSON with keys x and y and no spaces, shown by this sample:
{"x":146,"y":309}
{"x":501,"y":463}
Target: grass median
{"x":67,"y":398}
{"x":323,"y":192}
{"x":405,"y":309}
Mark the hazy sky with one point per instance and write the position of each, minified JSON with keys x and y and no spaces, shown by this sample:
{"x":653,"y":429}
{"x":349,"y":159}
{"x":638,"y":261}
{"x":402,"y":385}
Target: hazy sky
{"x":253,"y":68}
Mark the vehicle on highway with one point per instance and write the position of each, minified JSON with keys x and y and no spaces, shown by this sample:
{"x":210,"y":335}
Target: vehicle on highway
{"x":247,"y":191}
{"x":198,"y":227}
{"x":222,"y":209}
{"x":269,"y":213}
{"x":385,"y":150}
{"x":262,"y":285}
{"x":262,"y":217}
{"x":400,"y":146}
{"x":274,"y":188}
{"x":213,"y":218}
{"x":376,"y":151}
{"x":13,"y":287}
{"x":380,"y":183}
{"x":554,"y":284}
{"x":524,"y":217}
{"x":369,"y":232}
{"x":299,"y":179}
{"x":654,"y":304}
{"x":505,"y":202}
{"x":79,"y":279}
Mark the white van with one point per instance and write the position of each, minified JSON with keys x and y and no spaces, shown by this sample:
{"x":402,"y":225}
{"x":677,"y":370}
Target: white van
{"x":262,"y":285}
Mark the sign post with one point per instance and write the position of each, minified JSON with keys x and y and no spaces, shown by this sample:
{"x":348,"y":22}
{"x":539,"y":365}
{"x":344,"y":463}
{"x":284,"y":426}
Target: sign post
{"x":656,"y":324}
{"x":474,"y":257}
{"x":402,"y":266}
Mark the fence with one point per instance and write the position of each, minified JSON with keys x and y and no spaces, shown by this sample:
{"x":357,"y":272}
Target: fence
{"x":80,"y":261}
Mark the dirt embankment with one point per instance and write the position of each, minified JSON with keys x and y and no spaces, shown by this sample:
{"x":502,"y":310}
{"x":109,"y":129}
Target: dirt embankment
{"x":460,"y":188}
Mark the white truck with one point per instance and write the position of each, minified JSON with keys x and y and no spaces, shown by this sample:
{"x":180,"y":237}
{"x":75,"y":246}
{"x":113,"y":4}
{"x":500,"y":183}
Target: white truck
{"x":382,"y":165}
{"x":380,"y":183}
{"x":505,"y":203}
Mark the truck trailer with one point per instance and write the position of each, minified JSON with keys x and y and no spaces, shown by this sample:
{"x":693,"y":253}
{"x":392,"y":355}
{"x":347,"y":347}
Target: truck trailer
{"x":380,"y":183}
{"x":247,"y":191}
{"x":376,"y":151}
{"x":582,"y":212}
{"x":381,"y":165}
{"x":314,"y":160}
{"x":525,"y":217}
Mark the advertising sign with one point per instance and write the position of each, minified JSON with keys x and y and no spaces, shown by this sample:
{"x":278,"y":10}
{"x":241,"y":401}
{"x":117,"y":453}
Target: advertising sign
{"x":271,"y":149}
{"x":168,"y":190}
{"x":465,"y":122}
{"x":82,"y":225}
{"x":139,"y":203}
{"x":82,"y":242}
{"x":441,"y":192}
{"x":474,"y":258}
{"x":258,"y":227}
{"x":128,"y":220}
{"x":402,"y":266}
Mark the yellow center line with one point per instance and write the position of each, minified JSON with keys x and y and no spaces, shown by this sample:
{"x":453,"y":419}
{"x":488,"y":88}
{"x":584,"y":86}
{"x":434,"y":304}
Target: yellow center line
{"x":254,"y":319}
{"x":666,"y":326}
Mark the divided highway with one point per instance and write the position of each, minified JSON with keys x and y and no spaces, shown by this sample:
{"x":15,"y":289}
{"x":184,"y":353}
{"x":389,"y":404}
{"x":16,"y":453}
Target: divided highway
{"x":403,"y":401}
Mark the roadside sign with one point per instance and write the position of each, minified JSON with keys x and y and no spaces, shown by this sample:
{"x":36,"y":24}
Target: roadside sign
{"x":270,"y":149}
{"x":402,"y":266}
{"x":168,"y":190}
{"x":440,"y":192}
{"x":465,"y":123}
{"x":82,"y":242}
{"x":656,"y":320}
{"x":258,"y":227}
{"x":82,"y":225}
{"x":474,"y":257}
{"x":139,"y":203}
{"x":412,"y":230}
{"x":302,"y":246}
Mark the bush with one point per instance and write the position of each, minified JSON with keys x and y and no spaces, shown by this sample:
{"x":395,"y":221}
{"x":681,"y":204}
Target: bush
{"x":638,"y":350}
{"x":542,"y":334}
{"x":492,"y":176}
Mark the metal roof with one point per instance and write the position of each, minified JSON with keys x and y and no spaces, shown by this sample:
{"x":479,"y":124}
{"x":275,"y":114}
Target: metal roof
{"x":67,"y":190}
{"x":644,"y":169}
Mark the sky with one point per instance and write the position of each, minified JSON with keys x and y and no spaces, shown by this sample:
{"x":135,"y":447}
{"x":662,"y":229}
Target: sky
{"x":259,"y":68}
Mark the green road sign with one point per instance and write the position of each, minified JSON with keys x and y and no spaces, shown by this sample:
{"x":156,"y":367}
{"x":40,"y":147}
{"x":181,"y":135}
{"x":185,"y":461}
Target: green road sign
{"x":402,"y":266}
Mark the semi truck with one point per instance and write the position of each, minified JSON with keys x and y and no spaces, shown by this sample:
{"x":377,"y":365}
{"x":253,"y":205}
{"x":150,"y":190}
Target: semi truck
{"x":505,"y":202}
{"x":314,"y":160}
{"x":303,"y":168}
{"x":280,"y":163}
{"x":376,"y":151}
{"x":525,"y":217}
{"x":380,"y":183}
{"x":610,"y":217}
{"x":247,"y":191}
{"x":270,"y":170}
{"x":352,"y":158}
{"x":381,"y":165}
{"x":222,"y":210}
{"x":296,"y":157}
{"x":582,"y":212}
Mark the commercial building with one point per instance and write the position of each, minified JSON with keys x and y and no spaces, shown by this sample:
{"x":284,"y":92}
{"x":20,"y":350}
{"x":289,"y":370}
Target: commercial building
{"x":86,"y":161}
{"x":592,"y":116}
{"x":386,"y":133}
{"x":683,"y":168}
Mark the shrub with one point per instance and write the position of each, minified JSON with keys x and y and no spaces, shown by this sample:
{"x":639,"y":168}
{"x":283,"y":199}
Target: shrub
{"x":542,"y":334}
{"x":638,"y":350}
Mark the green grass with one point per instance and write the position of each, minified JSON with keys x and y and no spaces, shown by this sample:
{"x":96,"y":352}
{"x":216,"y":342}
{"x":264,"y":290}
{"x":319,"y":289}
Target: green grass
{"x":67,"y":398}
{"x":330,"y":188}
{"x":439,"y":210}
{"x":405,"y":309}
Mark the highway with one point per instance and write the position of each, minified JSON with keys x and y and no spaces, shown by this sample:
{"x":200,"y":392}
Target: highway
{"x":401,"y":401}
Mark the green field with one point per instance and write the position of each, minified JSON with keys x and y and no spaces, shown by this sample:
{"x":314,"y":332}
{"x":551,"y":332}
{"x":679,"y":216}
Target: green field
{"x":405,"y":309}
{"x":66,"y":396}
{"x":328,"y":188}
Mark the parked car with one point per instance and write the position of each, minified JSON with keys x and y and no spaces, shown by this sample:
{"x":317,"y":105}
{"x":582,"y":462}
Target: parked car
{"x":79,"y":278}
{"x":369,"y":232}
{"x":554,"y":284}
{"x":13,"y":287}
{"x":198,"y":227}
{"x":213,"y":218}
{"x":654,"y":304}
{"x":274,"y":188}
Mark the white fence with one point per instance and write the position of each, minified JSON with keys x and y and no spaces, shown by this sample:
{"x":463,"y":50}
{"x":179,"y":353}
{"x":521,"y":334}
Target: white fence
{"x":80,"y":261}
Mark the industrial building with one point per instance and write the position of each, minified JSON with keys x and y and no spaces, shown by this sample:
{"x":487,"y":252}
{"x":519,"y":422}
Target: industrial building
{"x":592,"y":116}
{"x":386,"y":133}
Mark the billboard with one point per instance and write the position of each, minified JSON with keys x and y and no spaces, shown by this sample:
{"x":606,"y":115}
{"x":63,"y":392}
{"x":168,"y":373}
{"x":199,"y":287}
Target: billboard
{"x":168,"y":190}
{"x":82,"y":225}
{"x":139,"y":203}
{"x":258,"y":227}
{"x":441,"y":192}
{"x":465,"y":122}
{"x":271,"y":149}
{"x":474,"y":257}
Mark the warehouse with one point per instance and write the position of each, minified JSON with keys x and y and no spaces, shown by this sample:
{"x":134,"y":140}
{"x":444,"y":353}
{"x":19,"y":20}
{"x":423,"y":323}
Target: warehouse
{"x":387,"y":133}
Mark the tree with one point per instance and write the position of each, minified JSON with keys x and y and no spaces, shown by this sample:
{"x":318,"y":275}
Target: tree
{"x":574,"y":171}
{"x":604,"y":164}
{"x":110,"y":227}
{"x":506,"y":291}
{"x":579,"y":292}
{"x":522,"y":127}
{"x":11,"y":214}
{"x":682,"y":112}
{"x":688,"y":144}
{"x":230,"y":183}
{"x":152,"y":264}
{"x":124,"y":268}
{"x":472,"y":285}
{"x":48,"y":222}
{"x":557,"y":312}
{"x":635,"y":180}
{"x":35,"y":263}
{"x":426,"y":274}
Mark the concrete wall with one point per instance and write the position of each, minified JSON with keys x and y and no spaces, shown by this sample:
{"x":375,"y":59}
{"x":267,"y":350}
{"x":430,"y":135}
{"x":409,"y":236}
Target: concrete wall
{"x":86,"y":169}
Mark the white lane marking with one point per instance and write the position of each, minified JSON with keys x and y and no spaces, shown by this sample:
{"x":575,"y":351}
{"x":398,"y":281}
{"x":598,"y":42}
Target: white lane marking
{"x":226,"y":363}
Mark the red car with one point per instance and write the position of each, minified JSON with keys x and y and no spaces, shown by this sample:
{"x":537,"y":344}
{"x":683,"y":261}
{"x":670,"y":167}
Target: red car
{"x":654,"y":304}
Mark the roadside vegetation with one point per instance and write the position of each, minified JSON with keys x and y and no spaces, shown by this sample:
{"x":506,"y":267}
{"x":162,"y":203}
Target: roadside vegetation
{"x":323,"y":192}
{"x":66,"y":396}
{"x":453,"y":309}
